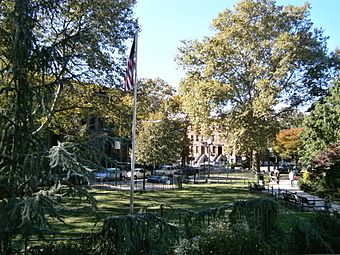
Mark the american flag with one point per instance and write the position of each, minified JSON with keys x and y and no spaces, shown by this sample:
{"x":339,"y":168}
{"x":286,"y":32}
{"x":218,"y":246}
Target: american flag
{"x":131,"y":68}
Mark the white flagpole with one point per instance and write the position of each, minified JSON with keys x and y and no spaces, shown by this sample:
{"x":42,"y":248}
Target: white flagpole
{"x":133,"y":155}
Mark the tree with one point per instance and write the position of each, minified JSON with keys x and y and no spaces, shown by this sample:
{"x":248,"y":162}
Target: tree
{"x":262,"y":56}
{"x":288,"y":143}
{"x":81,"y":101}
{"x":321,"y":127}
{"x":161,"y":134}
{"x":152,"y":96}
{"x":161,"y":140}
{"x":45,"y":47}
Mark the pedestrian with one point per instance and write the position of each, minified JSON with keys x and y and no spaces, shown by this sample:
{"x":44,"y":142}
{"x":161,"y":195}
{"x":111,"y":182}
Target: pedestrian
{"x":261,"y":178}
{"x":291,"y":176}
{"x":277,"y":175}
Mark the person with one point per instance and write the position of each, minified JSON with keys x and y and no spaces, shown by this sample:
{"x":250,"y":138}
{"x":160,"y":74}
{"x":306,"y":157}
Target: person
{"x":291,"y":177}
{"x":261,"y":179}
{"x":277,"y":175}
{"x":271,"y":176}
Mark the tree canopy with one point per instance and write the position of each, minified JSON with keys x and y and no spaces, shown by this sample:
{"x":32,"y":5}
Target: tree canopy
{"x":161,"y":141}
{"x":161,"y":134}
{"x":321,"y":127}
{"x":263,"y":60}
{"x":288,"y":143}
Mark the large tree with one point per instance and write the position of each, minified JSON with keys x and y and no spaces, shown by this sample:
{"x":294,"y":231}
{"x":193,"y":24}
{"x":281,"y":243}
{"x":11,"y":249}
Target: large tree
{"x":161,"y":140}
{"x":161,"y":134}
{"x":263,"y":60}
{"x":45,"y":46}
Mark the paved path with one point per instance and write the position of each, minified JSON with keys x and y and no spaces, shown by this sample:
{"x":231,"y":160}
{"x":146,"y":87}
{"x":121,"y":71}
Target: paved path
{"x":284,"y":185}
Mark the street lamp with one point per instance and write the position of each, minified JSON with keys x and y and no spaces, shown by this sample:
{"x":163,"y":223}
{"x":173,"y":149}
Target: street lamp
{"x":209,"y":142}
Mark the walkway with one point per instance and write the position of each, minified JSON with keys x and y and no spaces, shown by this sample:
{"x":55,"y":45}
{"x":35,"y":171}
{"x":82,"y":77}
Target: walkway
{"x":284,"y":185}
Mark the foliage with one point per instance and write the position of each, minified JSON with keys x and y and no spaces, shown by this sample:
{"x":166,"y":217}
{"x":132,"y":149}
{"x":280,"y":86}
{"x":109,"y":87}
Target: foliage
{"x":218,"y":239}
{"x":321,"y":138}
{"x":288,"y":143}
{"x":292,"y":118}
{"x":329,"y":157}
{"x":81,"y":102}
{"x":161,"y":140}
{"x":290,"y":232}
{"x":61,"y":248}
{"x":135,"y":234}
{"x":328,"y":162}
{"x":161,"y":132}
{"x":324,"y":177}
{"x":45,"y":47}
{"x":251,"y":230}
{"x":261,"y":57}
{"x":130,"y":234}
{"x":194,"y":221}
{"x":260,"y":215}
{"x":153,"y":97}
{"x":321,"y":127}
{"x":320,"y":235}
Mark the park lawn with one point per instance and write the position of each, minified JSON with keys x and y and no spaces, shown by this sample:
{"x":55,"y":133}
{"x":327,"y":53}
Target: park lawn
{"x":80,"y":217}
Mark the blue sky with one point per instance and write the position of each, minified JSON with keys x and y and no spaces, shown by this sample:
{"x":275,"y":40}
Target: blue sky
{"x":165,"y":23}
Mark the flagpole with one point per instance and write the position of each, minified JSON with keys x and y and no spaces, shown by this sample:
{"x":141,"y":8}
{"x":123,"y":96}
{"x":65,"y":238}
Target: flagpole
{"x":133,"y":154}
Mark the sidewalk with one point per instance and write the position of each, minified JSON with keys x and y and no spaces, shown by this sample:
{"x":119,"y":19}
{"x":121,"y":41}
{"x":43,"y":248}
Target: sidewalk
{"x":284,"y":185}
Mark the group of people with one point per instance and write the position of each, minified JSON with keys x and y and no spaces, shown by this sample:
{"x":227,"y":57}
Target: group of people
{"x":275,"y":176}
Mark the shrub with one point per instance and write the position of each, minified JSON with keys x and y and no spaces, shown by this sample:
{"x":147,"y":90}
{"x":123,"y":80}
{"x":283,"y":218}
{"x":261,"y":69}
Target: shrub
{"x":252,"y":229}
{"x":319,"y":235}
{"x":220,"y":239}
{"x":260,"y":215}
{"x":61,"y":248}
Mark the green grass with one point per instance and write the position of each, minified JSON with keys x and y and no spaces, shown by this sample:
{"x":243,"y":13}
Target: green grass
{"x":79,"y":216}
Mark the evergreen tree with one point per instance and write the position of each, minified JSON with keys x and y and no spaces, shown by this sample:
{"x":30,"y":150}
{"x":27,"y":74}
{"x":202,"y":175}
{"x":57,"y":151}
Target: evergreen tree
{"x":321,"y":127}
{"x":45,"y":46}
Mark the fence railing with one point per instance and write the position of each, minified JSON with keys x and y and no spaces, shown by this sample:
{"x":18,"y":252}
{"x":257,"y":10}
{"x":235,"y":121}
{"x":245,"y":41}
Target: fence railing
{"x":304,"y":202}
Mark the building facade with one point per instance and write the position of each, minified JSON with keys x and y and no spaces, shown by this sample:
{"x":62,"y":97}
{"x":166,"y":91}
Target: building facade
{"x":213,"y":149}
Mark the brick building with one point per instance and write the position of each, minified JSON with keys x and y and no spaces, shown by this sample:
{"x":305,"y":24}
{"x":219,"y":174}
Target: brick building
{"x":211,"y":149}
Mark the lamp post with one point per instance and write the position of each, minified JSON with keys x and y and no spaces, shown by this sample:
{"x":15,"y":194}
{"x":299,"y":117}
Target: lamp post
{"x":209,"y":142}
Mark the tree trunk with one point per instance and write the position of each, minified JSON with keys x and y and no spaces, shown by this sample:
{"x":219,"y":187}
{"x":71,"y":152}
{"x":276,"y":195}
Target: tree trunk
{"x":256,"y":161}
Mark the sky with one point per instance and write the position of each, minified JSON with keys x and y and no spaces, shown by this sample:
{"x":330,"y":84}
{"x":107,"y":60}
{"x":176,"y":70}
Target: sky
{"x":165,"y":23}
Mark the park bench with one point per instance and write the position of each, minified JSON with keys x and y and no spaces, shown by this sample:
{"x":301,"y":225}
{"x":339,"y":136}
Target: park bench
{"x":307,"y":202}
{"x":253,"y":186}
{"x":291,"y":197}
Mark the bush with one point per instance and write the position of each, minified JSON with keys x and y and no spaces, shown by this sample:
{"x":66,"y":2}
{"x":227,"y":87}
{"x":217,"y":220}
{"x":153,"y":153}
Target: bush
{"x":319,"y":235}
{"x":252,"y":229}
{"x":220,"y":239}
{"x":260,"y":215}
{"x":61,"y":248}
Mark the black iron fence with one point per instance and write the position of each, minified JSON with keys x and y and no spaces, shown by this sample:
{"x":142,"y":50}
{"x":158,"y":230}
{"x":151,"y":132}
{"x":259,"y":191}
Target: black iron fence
{"x":303,"y":201}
